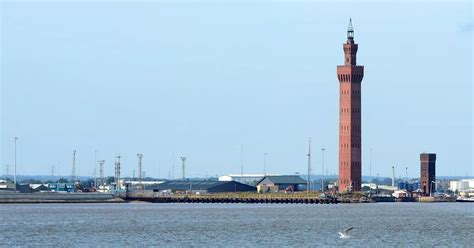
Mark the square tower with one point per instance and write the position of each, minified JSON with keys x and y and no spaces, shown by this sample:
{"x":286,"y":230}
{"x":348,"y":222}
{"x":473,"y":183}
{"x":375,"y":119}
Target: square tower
{"x":350,"y":125}
{"x":428,"y":173}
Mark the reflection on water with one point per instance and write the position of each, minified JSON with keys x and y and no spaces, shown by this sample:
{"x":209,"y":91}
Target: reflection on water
{"x":381,"y":224}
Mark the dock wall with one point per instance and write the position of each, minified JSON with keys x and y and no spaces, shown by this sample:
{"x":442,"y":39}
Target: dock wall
{"x":49,"y":197}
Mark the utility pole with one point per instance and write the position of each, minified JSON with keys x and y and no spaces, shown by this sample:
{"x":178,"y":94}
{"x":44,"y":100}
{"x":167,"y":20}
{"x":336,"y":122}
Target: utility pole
{"x":241,"y":163}
{"x":52,"y":170}
{"x":140,"y":173}
{"x":73,"y":172}
{"x":95,"y":168}
{"x":370,"y":163}
{"x":265,"y":164}
{"x":308,"y":184}
{"x":14,"y":177}
{"x":322,"y":179}
{"x":117,"y":173}
{"x":57,"y":170}
{"x":7,"y":171}
{"x":184,"y":167}
{"x":406,"y":173}
{"x":173,"y":167}
{"x":158,"y":163}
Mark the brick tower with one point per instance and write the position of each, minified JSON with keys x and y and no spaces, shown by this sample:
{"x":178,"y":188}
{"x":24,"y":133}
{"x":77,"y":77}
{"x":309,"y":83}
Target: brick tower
{"x":350,"y":77}
{"x":428,"y":173}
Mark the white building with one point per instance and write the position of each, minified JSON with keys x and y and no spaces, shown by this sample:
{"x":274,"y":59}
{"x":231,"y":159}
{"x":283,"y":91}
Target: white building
{"x":400,"y":194}
{"x":5,"y":185}
{"x":461,"y":185}
{"x":370,"y":185}
{"x":249,"y":179}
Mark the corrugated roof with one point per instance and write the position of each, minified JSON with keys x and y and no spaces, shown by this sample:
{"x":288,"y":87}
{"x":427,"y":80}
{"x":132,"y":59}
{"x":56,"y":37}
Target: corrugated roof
{"x":291,"y":179}
{"x":195,"y":185}
{"x":248,"y":175}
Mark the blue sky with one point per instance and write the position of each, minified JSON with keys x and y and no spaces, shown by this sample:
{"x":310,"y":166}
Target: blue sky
{"x":200,"y":79}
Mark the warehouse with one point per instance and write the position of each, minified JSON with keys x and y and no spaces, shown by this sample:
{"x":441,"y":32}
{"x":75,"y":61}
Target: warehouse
{"x":280,"y":183}
{"x":249,"y":179}
{"x":200,"y":187}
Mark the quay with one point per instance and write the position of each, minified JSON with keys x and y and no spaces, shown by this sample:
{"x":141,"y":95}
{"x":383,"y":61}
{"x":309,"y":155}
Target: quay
{"x":54,"y":197}
{"x":228,"y":199}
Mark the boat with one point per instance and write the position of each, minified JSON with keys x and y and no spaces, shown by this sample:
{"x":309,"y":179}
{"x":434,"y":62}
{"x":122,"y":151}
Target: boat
{"x":463,"y":199}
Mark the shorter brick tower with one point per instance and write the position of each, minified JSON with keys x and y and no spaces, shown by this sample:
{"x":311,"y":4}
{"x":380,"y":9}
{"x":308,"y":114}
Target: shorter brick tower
{"x":428,"y":173}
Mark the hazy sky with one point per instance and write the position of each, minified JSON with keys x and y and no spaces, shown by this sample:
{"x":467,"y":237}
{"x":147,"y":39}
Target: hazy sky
{"x":200,"y":79}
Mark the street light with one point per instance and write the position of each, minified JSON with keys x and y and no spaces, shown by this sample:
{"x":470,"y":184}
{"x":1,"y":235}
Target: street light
{"x":431,"y":187}
{"x":265,"y":164}
{"x":322,"y":179}
{"x":14,"y":178}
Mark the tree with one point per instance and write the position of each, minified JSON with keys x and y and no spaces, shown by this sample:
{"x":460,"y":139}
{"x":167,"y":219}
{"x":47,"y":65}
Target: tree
{"x":63,"y":180}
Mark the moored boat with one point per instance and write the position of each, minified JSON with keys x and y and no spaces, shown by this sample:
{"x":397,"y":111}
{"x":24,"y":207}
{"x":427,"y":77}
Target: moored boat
{"x":463,"y":199}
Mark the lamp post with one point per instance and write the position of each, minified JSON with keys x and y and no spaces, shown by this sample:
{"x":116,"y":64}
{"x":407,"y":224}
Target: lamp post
{"x":265,"y":164}
{"x":322,"y":178}
{"x":431,"y":188}
{"x":308,"y":184}
{"x":183,"y":159}
{"x":14,"y":178}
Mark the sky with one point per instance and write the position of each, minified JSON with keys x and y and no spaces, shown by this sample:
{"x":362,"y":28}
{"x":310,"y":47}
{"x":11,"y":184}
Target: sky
{"x":222,"y":83}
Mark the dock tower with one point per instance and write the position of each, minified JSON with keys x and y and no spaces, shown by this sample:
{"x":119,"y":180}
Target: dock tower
{"x":350,"y":143}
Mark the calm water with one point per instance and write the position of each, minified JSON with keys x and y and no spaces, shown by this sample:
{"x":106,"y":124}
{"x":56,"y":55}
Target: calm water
{"x":381,"y":224}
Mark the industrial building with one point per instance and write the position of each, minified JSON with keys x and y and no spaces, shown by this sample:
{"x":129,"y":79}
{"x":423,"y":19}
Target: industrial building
{"x":461,"y":185}
{"x":200,"y":187}
{"x":7,"y":185}
{"x":281,"y":183}
{"x":22,"y":187}
{"x":137,"y":185}
{"x":409,"y":186}
{"x":62,"y":187}
{"x":249,"y":179}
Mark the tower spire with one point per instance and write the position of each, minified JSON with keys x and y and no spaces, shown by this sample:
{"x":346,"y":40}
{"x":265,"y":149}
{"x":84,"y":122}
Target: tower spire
{"x":350,"y":30}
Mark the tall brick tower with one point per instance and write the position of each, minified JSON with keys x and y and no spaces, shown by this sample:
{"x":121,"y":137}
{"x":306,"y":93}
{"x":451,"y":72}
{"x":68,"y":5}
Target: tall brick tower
{"x":350,"y":77}
{"x":428,"y":173}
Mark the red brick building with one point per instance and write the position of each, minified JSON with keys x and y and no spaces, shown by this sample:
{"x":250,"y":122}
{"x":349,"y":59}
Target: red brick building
{"x":350,"y":143}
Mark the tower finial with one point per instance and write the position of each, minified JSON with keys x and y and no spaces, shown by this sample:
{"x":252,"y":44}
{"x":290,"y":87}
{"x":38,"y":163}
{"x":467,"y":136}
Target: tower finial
{"x":350,"y":30}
